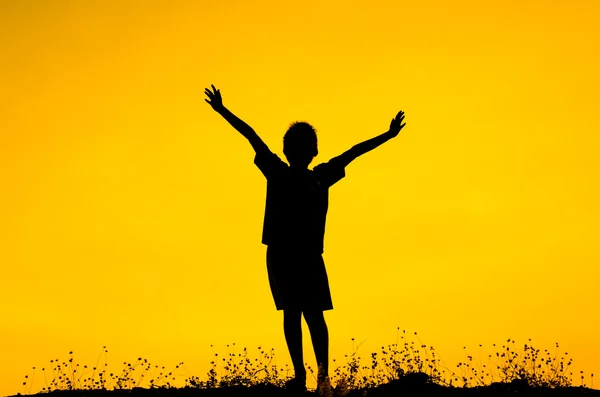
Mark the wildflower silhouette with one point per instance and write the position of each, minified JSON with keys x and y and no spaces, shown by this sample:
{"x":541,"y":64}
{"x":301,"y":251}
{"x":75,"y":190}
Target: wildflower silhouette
{"x":294,"y":229}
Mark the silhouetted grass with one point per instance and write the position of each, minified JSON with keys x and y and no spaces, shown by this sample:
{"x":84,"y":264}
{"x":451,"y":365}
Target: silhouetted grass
{"x":403,"y":368}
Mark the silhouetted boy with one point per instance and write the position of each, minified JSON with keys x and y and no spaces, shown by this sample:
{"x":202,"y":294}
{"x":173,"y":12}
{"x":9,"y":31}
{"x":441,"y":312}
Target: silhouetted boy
{"x":294,"y":227}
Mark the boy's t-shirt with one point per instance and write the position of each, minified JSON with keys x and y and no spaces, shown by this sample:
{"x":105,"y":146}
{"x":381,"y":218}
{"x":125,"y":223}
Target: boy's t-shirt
{"x":297,"y":202}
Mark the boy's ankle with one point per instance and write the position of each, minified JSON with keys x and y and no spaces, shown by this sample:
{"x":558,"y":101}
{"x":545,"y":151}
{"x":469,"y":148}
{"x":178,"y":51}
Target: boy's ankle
{"x":296,"y":384}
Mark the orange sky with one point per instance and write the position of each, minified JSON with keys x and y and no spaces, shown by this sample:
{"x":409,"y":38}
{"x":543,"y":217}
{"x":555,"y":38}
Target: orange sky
{"x":132,"y":213}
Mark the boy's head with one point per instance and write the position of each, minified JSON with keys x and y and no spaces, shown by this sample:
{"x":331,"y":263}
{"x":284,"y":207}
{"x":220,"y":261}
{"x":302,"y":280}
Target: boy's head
{"x":300,"y":144}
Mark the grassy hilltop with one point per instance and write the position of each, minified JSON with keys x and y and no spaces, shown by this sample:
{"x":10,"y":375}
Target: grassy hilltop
{"x":399,"y":369}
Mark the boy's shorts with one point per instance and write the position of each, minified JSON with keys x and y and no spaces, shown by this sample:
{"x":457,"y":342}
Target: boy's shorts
{"x":298,"y":280}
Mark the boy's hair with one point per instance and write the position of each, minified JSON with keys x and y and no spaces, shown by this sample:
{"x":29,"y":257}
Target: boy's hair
{"x":300,"y":139}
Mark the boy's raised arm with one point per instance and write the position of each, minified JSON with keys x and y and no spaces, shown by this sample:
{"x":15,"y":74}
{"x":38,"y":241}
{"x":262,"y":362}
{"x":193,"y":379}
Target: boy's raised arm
{"x":358,"y":150}
{"x":216,"y":102}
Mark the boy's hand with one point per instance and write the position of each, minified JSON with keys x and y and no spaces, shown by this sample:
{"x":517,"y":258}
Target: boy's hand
{"x":214,"y":98}
{"x":396,"y":124}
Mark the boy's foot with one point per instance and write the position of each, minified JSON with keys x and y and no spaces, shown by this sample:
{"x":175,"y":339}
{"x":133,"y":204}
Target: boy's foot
{"x":296,"y":385}
{"x":323,"y":386}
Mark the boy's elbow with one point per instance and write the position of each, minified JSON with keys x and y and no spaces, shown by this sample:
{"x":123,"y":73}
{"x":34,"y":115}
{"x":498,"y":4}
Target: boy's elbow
{"x":343,"y":160}
{"x":259,"y":146}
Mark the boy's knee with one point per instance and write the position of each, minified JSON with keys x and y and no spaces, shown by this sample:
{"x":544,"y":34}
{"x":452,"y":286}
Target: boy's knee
{"x":313,"y":316}
{"x":292,"y":315}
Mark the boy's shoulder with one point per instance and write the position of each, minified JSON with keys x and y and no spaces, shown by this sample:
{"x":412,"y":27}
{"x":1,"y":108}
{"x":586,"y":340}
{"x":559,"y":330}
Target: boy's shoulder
{"x":330,"y":172}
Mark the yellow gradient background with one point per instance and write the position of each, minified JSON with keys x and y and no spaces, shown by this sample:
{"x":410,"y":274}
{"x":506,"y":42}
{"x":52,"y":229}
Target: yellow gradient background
{"x":131,"y":213}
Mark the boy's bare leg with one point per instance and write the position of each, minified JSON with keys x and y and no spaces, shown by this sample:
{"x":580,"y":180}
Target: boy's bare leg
{"x":320,"y":340}
{"x":292,"y":328}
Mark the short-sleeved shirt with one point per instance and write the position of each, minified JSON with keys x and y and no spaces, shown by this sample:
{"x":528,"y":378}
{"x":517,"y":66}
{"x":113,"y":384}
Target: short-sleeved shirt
{"x":297,"y":202}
